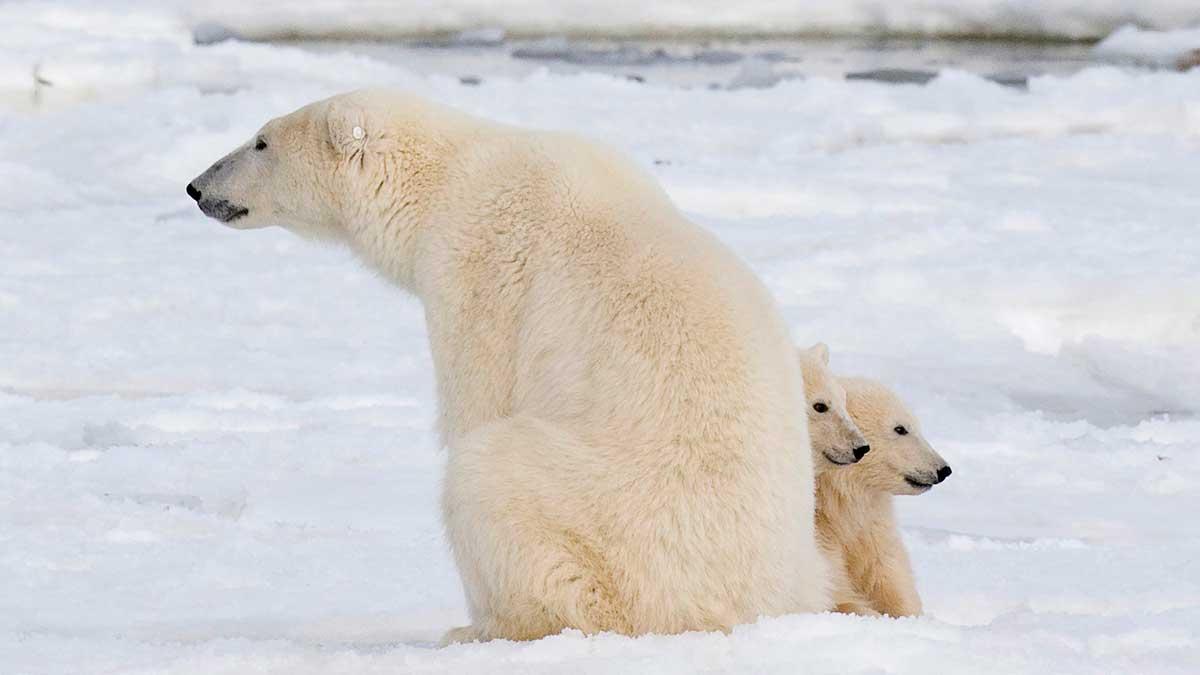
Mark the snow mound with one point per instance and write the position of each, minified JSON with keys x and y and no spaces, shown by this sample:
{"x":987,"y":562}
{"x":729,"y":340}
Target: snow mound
{"x":1179,"y":49}
{"x":623,"y":18}
{"x":486,"y":22}
{"x":52,"y":55}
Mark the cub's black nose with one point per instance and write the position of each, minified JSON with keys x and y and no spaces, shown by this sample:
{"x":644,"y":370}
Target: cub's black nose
{"x":944,"y":473}
{"x":860,"y":451}
{"x":193,"y":192}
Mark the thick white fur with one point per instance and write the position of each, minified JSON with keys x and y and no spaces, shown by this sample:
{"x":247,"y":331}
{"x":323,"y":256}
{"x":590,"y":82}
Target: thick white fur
{"x":870,"y":572}
{"x":833,"y":435}
{"x":617,"y":390}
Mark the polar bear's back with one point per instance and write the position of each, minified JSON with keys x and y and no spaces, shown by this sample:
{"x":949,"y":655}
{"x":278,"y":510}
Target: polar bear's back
{"x":648,"y":310}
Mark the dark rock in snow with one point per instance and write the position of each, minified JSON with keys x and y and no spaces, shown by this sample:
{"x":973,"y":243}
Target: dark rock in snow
{"x":1188,"y":60}
{"x":479,"y":37}
{"x":894,"y":75}
{"x":1014,"y":80}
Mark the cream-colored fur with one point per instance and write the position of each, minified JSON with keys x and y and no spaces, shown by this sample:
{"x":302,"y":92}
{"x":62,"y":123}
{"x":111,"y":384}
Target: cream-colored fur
{"x":617,"y":390}
{"x":833,"y":435}
{"x":870,"y":572}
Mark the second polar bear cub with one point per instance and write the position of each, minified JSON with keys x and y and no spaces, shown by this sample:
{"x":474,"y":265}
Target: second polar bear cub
{"x":870,"y":572}
{"x":836,"y":440}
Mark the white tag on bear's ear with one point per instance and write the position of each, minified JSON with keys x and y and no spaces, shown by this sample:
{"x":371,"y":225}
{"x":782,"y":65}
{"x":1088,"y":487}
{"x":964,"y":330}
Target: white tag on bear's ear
{"x":346,"y":124}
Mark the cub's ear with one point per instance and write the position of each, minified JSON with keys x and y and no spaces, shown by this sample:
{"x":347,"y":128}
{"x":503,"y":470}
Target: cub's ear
{"x":347,"y":126}
{"x":821,"y":351}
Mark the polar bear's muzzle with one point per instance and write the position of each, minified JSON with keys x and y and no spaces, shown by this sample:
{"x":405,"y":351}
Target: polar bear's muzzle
{"x":206,"y":190}
{"x":219,"y":209}
{"x":222,"y":210}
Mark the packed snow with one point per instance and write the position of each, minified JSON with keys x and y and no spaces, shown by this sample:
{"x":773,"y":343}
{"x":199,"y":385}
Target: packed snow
{"x":486,"y":19}
{"x":216,"y":447}
{"x":1171,"y":49}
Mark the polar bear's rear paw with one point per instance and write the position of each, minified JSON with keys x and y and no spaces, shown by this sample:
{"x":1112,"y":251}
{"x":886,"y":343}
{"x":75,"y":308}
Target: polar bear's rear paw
{"x":859,"y":608}
{"x":460,"y":635}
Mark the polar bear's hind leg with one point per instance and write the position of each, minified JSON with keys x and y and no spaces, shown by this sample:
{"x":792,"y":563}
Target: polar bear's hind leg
{"x":529,"y":572}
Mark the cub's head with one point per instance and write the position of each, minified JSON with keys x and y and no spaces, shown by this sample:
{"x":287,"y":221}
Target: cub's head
{"x":312,"y":171}
{"x":901,"y":461}
{"x":836,"y":441}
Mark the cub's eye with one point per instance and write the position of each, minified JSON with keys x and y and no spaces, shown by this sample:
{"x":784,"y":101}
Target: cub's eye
{"x":261,"y":144}
{"x":901,"y":430}
{"x":820,"y":407}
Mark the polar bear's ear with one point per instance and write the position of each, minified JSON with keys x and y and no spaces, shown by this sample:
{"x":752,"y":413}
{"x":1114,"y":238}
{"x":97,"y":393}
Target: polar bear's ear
{"x":821,"y":351}
{"x":347,"y":128}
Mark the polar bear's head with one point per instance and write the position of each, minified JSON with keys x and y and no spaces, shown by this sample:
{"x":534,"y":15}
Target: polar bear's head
{"x":901,"y":461}
{"x":836,"y":440}
{"x":324,"y":169}
{"x":283,"y":175}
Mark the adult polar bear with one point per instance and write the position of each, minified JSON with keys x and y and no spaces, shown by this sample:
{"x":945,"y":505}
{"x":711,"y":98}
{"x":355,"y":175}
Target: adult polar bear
{"x":617,"y":390}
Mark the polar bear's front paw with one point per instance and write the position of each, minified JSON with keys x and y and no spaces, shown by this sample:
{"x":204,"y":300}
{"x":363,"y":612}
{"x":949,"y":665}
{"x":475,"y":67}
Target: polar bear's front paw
{"x":461,"y":635}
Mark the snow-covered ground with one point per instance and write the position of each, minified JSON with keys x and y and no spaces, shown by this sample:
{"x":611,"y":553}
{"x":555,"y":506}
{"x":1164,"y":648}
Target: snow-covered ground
{"x":1058,"y":19}
{"x":71,"y":50}
{"x":215,"y":446}
{"x":1178,"y":49}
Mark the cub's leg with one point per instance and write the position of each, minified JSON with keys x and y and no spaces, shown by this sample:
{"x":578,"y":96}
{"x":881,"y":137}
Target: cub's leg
{"x":884,"y":575}
{"x":846,"y":599}
{"x":895,"y":591}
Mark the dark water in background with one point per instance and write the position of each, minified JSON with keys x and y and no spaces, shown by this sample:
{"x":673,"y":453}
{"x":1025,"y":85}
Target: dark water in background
{"x":473,"y":57}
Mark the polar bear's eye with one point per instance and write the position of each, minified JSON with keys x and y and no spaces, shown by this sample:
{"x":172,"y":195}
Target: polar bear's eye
{"x":261,"y":144}
{"x":901,"y":430}
{"x":820,"y":407}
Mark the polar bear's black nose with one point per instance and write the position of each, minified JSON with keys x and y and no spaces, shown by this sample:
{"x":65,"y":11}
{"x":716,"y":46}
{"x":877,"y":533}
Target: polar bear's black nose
{"x":943,"y":473}
{"x":193,"y":192}
{"x":861,"y":451}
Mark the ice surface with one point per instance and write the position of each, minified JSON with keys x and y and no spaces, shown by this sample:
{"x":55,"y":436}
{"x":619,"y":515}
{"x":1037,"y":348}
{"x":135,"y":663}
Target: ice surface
{"x":73,"y":50}
{"x":1069,"y":19}
{"x":215,"y":446}
{"x":1172,"y":49}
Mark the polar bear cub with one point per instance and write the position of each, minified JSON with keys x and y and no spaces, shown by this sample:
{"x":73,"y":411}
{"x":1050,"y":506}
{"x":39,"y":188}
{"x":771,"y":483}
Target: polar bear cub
{"x":855,"y":521}
{"x":870,"y":572}
{"x":836,"y":440}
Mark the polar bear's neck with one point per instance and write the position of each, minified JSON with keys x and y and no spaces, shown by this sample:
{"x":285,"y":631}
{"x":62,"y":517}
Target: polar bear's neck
{"x":408,"y":174}
{"x":847,"y":510}
{"x":387,"y":233}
